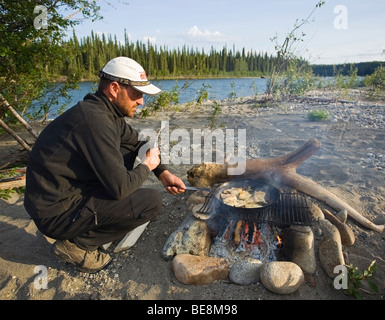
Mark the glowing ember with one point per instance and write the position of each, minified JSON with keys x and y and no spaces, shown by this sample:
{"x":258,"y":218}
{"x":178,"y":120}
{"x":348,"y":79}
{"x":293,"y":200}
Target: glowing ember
{"x":242,"y":238}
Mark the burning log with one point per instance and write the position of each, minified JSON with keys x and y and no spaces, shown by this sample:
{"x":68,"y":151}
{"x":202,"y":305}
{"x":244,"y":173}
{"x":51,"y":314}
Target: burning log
{"x":237,"y":232}
{"x":283,"y":170}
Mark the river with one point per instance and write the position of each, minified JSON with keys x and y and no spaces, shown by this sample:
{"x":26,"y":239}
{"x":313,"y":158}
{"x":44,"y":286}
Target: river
{"x":218,"y":89}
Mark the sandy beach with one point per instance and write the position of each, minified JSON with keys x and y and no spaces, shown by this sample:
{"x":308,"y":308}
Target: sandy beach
{"x":350,"y":163}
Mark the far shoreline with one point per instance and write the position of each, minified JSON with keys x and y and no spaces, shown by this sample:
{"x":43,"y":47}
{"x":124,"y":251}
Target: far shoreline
{"x":63,"y":79}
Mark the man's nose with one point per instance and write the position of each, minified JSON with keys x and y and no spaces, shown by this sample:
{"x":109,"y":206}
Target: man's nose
{"x":140,"y":101}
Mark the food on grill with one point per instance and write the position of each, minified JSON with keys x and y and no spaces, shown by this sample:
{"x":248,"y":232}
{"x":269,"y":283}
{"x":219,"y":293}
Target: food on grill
{"x":244,"y":197}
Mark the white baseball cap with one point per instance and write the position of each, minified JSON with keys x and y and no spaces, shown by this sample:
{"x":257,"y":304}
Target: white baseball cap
{"x":127,"y":71}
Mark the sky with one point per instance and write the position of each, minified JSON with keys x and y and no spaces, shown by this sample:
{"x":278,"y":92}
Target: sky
{"x":337,"y":32}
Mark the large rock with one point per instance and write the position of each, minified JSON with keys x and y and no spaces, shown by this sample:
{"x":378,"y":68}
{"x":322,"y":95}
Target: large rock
{"x":281,"y":277}
{"x":190,"y":269}
{"x":330,"y":248}
{"x":299,"y":247}
{"x":192,"y":237}
{"x":245,"y":271}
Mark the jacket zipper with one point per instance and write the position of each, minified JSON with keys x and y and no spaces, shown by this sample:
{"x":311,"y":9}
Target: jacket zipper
{"x":94,"y":212}
{"x":76,"y":216}
{"x":96,"y":217}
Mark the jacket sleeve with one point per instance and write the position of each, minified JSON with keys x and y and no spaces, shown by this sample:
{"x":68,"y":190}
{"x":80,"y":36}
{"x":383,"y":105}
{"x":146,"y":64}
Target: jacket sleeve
{"x":100,"y":143}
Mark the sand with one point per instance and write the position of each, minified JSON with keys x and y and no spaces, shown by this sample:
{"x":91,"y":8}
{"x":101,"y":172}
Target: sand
{"x":349,"y":164}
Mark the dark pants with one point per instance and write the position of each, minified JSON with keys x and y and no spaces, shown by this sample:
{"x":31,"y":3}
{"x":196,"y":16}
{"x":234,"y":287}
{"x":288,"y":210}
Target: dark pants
{"x":99,"y":220}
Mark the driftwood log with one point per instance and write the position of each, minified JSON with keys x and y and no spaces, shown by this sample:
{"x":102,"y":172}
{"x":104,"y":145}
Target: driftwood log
{"x":14,"y":180}
{"x":280,"y":170}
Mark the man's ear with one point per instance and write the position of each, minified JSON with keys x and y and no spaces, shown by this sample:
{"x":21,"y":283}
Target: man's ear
{"x":113,"y":89}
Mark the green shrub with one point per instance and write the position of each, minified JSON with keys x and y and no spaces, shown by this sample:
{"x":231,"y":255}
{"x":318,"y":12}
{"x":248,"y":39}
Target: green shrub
{"x":216,"y":110}
{"x":356,"y":279}
{"x":163,"y":101}
{"x":296,"y":80}
{"x":318,"y":115}
{"x":203,"y":94}
{"x":376,"y":82}
{"x":232,"y":94}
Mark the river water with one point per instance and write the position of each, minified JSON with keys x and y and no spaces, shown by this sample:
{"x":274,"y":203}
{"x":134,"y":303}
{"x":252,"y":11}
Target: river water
{"x":218,"y":89}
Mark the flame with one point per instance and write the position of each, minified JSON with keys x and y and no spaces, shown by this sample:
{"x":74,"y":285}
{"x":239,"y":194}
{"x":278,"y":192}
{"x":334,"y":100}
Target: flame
{"x":279,"y":241}
{"x":249,"y":234}
{"x":226,"y":236}
{"x":245,"y":231}
{"x":256,"y":235}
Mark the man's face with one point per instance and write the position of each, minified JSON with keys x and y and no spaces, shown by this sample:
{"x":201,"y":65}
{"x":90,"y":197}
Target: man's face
{"x":127,"y":100}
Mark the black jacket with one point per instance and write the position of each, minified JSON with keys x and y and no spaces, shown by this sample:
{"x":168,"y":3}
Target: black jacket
{"x":80,"y":153}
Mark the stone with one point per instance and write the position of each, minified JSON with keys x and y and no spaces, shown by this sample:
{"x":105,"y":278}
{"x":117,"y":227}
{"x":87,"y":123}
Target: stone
{"x":347,"y":235}
{"x":342,"y":215}
{"x":192,"y":237}
{"x":299,"y":247}
{"x":281,"y":277}
{"x":330,"y":248}
{"x":316,"y":212}
{"x":245,"y":271}
{"x":199,"y":270}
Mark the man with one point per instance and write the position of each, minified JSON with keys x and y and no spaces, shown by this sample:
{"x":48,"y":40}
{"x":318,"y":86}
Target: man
{"x":82,"y":188}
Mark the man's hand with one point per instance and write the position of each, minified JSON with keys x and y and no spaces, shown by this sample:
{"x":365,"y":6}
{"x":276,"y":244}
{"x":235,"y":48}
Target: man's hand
{"x":152,"y":160}
{"x":172,"y":183}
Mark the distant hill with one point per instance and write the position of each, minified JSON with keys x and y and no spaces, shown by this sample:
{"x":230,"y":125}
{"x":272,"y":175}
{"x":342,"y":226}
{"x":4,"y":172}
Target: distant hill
{"x":329,"y":70}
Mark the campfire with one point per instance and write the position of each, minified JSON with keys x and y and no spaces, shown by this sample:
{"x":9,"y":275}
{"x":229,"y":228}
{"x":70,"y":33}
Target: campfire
{"x":247,"y":239}
{"x":236,"y":236}
{"x":271,"y":241}
{"x":241,"y":230}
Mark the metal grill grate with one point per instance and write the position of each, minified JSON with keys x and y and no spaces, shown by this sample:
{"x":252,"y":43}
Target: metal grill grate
{"x":291,"y":209}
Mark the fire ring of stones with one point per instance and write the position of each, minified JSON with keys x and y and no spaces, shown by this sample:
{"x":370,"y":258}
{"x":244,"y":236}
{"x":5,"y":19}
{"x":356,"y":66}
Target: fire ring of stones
{"x":202,"y":253}
{"x":245,"y":252}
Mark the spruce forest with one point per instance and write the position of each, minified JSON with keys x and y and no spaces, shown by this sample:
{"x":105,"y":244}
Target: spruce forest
{"x":88,"y":55}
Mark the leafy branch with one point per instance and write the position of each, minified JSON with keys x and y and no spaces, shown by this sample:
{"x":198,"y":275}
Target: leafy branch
{"x":356,"y":279}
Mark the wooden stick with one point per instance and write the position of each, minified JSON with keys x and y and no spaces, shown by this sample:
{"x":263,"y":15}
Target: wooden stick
{"x":17,"y":116}
{"x":15,"y":135}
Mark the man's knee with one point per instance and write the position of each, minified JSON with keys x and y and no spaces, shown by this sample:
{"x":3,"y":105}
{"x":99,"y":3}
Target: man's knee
{"x":154,"y":200}
{"x":146,"y":203}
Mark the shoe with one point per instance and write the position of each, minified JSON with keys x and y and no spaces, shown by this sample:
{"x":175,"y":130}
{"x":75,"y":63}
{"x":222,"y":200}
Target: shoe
{"x":86,"y":261}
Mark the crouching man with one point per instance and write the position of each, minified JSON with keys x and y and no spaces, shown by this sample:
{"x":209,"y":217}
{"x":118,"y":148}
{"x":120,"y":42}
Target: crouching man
{"x":82,"y":188}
